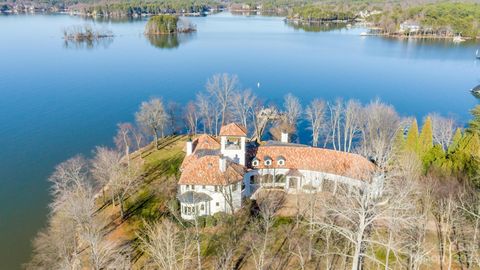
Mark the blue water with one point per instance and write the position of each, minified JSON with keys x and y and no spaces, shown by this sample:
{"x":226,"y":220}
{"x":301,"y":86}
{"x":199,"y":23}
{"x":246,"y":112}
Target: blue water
{"x":57,"y":101}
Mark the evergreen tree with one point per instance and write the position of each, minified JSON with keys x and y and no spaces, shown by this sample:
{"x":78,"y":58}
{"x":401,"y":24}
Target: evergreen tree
{"x":426,"y":136}
{"x":457,"y":137}
{"x":474,"y":124}
{"x":399,"y":142}
{"x":411,"y":143}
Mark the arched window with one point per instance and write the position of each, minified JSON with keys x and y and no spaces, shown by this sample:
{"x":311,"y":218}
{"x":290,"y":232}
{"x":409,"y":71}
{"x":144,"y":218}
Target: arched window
{"x":280,"y":178}
{"x":268,"y":178}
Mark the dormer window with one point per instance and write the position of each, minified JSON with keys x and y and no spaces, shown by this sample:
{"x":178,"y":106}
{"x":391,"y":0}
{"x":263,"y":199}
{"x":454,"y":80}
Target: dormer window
{"x":267,"y":161}
{"x":255,"y":162}
{"x":280,"y":161}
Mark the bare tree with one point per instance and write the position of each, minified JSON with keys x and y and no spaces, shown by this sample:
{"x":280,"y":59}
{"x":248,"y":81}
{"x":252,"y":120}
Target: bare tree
{"x":293,"y":109}
{"x":469,"y":205}
{"x":173,"y":116}
{"x":268,"y":203}
{"x":73,"y":227}
{"x":102,"y":253}
{"x":191,"y":118}
{"x":380,"y":124}
{"x":445,"y":212}
{"x":344,"y":124}
{"x":443,"y":130}
{"x":316,"y":116}
{"x":243,"y":103}
{"x":166,"y":245}
{"x":356,"y":213}
{"x":123,"y":139}
{"x":56,"y":246}
{"x":105,"y":168}
{"x":153,"y":117}
{"x":127,"y":179}
{"x":222,"y":87}
{"x":72,"y":189}
{"x":206,"y":113}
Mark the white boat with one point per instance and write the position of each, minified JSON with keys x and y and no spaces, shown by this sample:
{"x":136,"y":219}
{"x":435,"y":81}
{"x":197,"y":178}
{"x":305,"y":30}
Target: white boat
{"x":364,"y":34}
{"x":458,"y":39}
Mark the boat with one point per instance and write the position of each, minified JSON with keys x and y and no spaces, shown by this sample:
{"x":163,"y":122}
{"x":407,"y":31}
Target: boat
{"x":458,"y":39}
{"x":364,"y":34}
{"x":477,"y":55}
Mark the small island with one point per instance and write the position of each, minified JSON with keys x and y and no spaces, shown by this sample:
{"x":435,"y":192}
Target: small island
{"x":85,"y":33}
{"x":166,"y":24}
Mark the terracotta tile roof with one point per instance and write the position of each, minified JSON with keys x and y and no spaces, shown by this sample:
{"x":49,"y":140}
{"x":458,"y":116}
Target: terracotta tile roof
{"x":203,"y":145}
{"x":315,"y":159}
{"x":233,"y":129}
{"x":205,"y":141}
{"x":206,"y":171}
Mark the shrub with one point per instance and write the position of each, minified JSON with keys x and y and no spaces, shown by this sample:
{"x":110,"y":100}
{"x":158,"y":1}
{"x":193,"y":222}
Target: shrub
{"x":210,"y":221}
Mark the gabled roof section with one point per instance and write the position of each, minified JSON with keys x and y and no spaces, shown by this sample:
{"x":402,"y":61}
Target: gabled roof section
{"x":203,"y":145}
{"x":233,"y":129}
{"x":205,"y":141}
{"x":206,"y":171}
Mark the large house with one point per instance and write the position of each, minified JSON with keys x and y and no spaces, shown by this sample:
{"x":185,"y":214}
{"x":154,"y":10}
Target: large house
{"x":218,"y":172}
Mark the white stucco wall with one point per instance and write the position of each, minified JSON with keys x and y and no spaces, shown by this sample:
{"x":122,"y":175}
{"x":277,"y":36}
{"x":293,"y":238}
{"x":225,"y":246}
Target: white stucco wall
{"x":235,"y":155}
{"x":313,"y":178}
{"x":218,"y":196}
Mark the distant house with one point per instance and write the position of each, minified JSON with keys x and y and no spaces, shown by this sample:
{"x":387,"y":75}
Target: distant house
{"x":410,"y":27}
{"x":218,"y":172}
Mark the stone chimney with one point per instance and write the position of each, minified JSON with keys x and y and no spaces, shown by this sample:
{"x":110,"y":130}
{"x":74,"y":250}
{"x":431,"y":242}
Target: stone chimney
{"x":284,"y":138}
{"x":189,"y":148}
{"x":222,"y":162}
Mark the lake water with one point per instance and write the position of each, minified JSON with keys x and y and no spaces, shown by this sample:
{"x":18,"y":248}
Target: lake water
{"x":58,"y":100}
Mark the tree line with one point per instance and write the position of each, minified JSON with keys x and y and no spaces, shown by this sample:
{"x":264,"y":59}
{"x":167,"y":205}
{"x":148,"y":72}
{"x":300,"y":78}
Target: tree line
{"x":421,"y":209}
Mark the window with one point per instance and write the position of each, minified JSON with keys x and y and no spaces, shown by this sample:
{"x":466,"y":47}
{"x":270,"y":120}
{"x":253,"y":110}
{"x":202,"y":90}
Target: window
{"x":216,"y":188}
{"x":202,"y":207}
{"x":281,"y":162}
{"x":268,"y":178}
{"x":203,"y":187}
{"x":234,"y":187}
{"x":268,"y":162}
{"x":185,"y":210}
{"x":252,"y":179}
{"x":280,"y":178}
{"x":187,"y":187}
{"x":193,"y":187}
{"x":255,"y":163}
{"x":217,"y":204}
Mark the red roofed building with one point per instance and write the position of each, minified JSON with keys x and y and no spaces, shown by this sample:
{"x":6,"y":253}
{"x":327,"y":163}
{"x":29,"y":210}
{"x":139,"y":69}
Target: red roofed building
{"x":218,"y":173}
